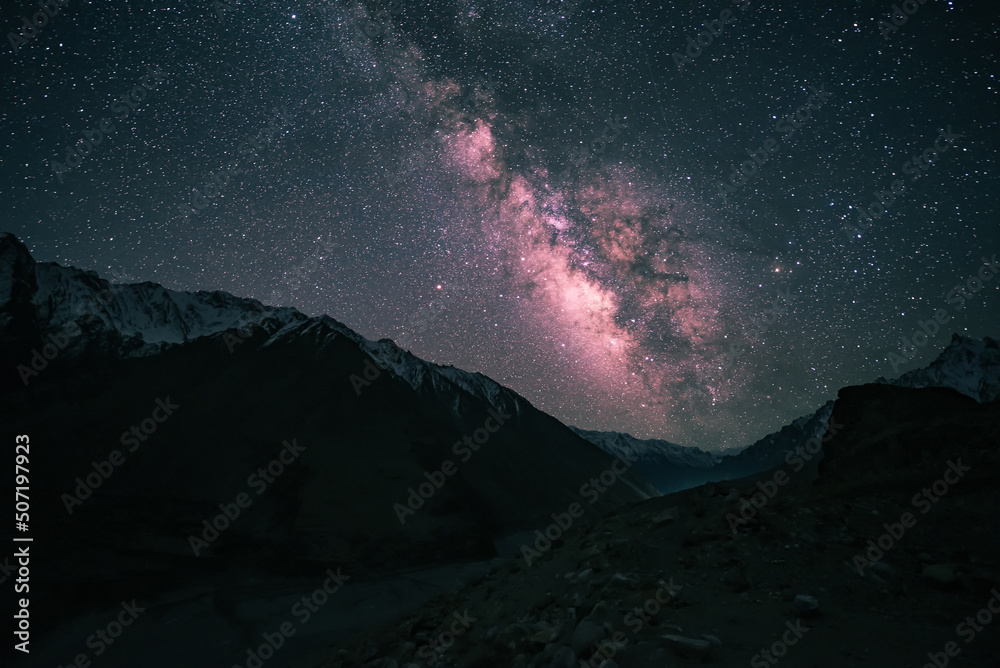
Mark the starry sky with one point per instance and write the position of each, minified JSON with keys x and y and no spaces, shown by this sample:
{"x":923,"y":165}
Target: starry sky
{"x":546,"y":192}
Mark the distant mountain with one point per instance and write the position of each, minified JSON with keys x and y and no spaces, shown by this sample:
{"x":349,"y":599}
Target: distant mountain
{"x":668,"y":466}
{"x":772,"y":450}
{"x":968,"y":366}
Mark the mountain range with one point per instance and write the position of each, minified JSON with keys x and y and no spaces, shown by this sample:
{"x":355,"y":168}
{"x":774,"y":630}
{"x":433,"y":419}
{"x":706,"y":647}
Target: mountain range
{"x":144,"y":319}
{"x":193,"y":448}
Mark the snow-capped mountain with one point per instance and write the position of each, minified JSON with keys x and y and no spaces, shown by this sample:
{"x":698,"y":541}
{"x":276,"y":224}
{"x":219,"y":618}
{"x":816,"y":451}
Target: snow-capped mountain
{"x":968,"y":366}
{"x":142,"y":319}
{"x":61,"y":315}
{"x":652,"y":450}
{"x":217,"y":440}
{"x":128,"y":320}
{"x":395,"y":463}
{"x":668,"y":466}
{"x":91,"y":316}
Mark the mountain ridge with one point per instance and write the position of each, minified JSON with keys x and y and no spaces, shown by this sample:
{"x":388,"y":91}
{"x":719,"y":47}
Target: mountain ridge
{"x":142,"y":319}
{"x":969,"y":366}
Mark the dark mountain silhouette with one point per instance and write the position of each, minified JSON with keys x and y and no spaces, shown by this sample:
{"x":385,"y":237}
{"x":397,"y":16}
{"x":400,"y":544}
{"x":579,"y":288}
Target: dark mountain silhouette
{"x":210,"y":463}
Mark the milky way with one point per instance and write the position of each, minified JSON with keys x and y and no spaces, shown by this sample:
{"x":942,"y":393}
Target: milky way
{"x":544,"y":173}
{"x":613,"y":277}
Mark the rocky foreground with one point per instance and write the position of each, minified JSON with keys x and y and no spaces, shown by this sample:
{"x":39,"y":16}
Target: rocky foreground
{"x":885,"y":555}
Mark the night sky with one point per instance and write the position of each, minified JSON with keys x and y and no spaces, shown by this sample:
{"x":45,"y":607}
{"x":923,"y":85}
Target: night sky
{"x":534,"y":190}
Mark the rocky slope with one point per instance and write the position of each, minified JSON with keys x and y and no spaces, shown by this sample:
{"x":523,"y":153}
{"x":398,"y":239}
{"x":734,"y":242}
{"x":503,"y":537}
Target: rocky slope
{"x":155,"y":414}
{"x":848,"y":565}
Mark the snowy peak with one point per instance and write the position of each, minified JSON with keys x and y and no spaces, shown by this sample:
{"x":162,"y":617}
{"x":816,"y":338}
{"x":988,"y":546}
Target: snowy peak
{"x":969,"y":366}
{"x":647,"y":450}
{"x":142,"y":319}
{"x":667,"y":466}
{"x":147,"y":314}
{"x":127,"y":320}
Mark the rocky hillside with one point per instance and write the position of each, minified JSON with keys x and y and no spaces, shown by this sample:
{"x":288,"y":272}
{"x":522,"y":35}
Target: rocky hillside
{"x":885,"y":555}
{"x":181,"y":438}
